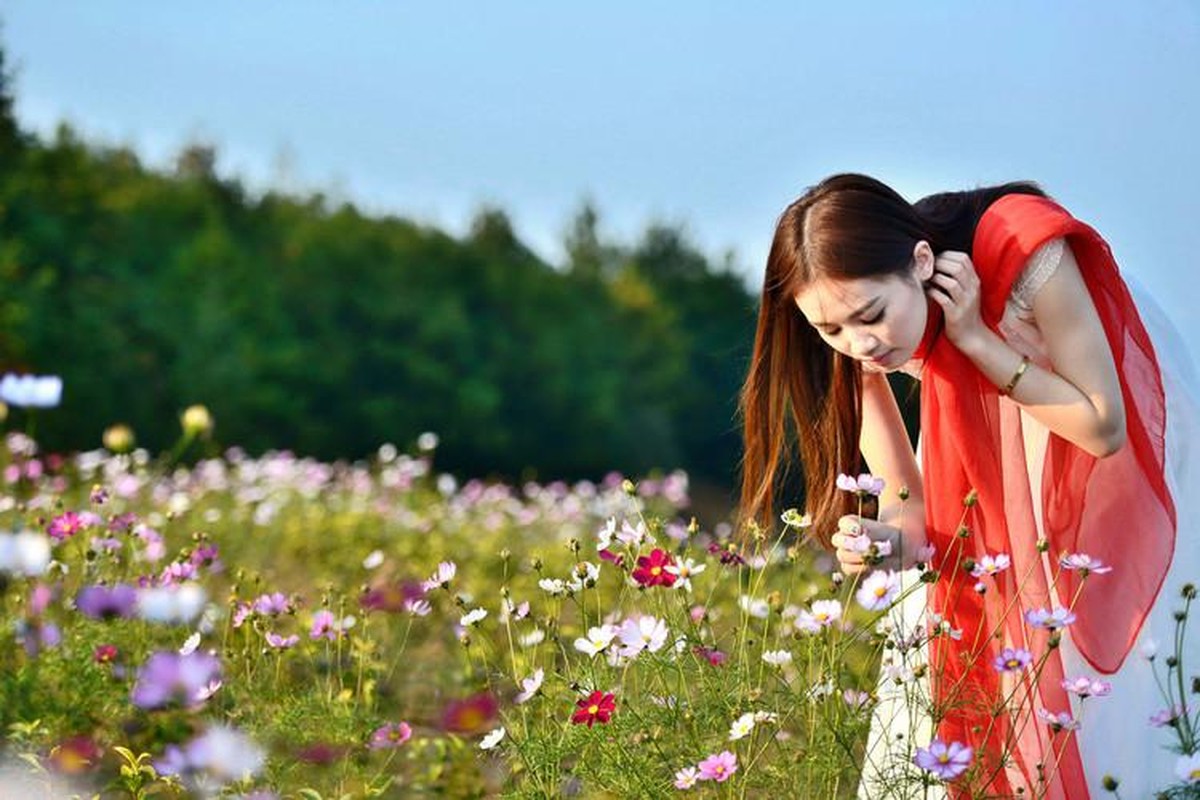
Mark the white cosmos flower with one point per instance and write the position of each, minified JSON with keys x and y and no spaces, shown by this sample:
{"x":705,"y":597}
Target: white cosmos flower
{"x":26,"y":553}
{"x":597,"y":640}
{"x":741,"y":726}
{"x":473,"y":617}
{"x":179,"y":604}
{"x":445,"y":573}
{"x":584,"y":575}
{"x":644,"y":633}
{"x":373,"y":560}
{"x":31,"y":391}
{"x":683,"y":570}
{"x":759,"y":609}
{"x":553,"y":586}
{"x":492,"y":739}
{"x":531,"y":685}
{"x":777,"y":658}
{"x":190,"y":645}
{"x":879,"y":590}
{"x":533,"y":638}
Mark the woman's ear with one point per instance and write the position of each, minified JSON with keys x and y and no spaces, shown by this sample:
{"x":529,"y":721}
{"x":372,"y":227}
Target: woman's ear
{"x":923,"y":261}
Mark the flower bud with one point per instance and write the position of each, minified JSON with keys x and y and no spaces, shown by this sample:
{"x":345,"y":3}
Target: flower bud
{"x":1043,"y":545}
{"x":963,"y":531}
{"x":196,"y":420}
{"x":118,"y":438}
{"x":1179,"y":615}
{"x":1189,"y":591}
{"x":971,"y":499}
{"x":1172,"y":662}
{"x":1110,"y":783}
{"x":628,"y":487}
{"x":903,"y":494}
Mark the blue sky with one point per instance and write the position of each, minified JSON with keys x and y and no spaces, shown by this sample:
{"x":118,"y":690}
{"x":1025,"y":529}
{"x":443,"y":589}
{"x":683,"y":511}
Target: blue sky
{"x":715,"y":115}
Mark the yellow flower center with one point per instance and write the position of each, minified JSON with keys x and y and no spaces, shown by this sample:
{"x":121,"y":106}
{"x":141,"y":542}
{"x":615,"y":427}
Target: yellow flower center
{"x":656,"y":570}
{"x":944,"y":758}
{"x":593,"y":709}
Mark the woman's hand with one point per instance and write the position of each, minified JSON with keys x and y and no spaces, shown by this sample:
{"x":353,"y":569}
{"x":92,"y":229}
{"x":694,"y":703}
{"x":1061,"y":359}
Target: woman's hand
{"x":955,"y":287}
{"x":864,"y":544}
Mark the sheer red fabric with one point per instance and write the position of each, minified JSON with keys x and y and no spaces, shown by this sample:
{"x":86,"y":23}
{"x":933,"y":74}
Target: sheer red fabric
{"x":1117,"y":509}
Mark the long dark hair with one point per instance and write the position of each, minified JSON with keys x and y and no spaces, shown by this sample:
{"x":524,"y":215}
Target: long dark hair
{"x":847,"y":226}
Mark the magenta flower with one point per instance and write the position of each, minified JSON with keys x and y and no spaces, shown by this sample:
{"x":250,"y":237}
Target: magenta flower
{"x":169,"y":678}
{"x":391,"y":734}
{"x":107,"y":602}
{"x":651,"y":570}
{"x":65,"y":525}
{"x":1012,"y":659}
{"x":1167,"y":716}
{"x":945,"y":761}
{"x":719,"y":767}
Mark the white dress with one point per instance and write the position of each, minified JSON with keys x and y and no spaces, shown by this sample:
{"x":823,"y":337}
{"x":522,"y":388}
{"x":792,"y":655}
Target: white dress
{"x":1115,"y":737}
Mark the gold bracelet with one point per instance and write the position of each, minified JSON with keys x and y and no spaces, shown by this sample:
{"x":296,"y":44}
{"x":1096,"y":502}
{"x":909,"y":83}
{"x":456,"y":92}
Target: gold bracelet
{"x":1012,"y":382}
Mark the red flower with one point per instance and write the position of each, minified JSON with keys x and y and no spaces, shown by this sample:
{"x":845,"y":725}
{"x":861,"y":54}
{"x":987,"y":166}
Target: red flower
{"x":471,"y":714}
{"x":105,"y":653}
{"x":596,"y":707}
{"x":651,"y":570}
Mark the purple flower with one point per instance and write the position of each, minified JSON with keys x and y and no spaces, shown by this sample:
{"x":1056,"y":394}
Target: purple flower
{"x":1167,"y":716}
{"x":107,"y":602}
{"x":1012,"y":659}
{"x":273,"y":604}
{"x":1049,"y":619}
{"x":167,"y":678}
{"x":945,"y":761}
{"x":718,"y":767}
{"x":282,"y":642}
{"x":391,"y":734}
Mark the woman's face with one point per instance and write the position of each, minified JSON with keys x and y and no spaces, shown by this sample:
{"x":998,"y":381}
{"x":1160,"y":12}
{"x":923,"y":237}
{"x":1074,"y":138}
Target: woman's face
{"x":878,"y":321}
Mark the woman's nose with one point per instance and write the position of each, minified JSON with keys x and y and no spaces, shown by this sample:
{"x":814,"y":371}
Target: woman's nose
{"x":863,"y":344}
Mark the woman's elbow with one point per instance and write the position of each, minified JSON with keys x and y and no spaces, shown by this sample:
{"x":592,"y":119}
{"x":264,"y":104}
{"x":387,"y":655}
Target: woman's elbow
{"x":1111,"y":437}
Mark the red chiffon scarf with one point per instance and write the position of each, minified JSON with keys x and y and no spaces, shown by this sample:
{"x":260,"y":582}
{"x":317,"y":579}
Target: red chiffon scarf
{"x":1117,"y":509}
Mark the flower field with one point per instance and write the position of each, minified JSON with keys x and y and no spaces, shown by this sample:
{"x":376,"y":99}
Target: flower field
{"x":280,"y":627}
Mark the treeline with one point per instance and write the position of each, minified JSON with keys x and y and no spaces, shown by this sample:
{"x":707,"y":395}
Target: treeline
{"x":305,"y":324}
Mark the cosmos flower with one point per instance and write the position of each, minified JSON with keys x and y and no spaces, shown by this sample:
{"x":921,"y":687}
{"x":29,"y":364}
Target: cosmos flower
{"x":596,"y":707}
{"x":719,"y":767}
{"x":944,"y":761}
{"x":389,"y":735}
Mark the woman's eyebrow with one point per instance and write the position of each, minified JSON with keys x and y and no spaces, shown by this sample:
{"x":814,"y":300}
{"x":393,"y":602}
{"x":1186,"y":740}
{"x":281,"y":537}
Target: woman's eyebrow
{"x":862,"y":310}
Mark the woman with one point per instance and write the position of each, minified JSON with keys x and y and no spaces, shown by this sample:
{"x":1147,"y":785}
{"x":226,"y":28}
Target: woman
{"x":1044,"y":397}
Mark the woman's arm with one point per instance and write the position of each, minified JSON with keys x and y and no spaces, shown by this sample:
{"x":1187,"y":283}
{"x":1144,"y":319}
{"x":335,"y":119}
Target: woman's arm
{"x":889,"y":455}
{"x":1080,"y":397}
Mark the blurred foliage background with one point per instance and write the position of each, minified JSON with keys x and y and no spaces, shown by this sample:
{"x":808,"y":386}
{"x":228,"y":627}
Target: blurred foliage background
{"x":308,"y":325}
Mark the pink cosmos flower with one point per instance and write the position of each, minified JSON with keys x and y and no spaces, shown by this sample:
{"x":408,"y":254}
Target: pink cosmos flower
{"x":1062,"y":721}
{"x":1084,"y":563}
{"x":282,"y":642}
{"x":991,"y":565}
{"x":391,"y":734}
{"x":863,"y":485}
{"x":1049,"y":619}
{"x":65,"y":525}
{"x":323,"y":625}
{"x":719,"y":767}
{"x":1087,"y":687}
{"x":945,"y":761}
{"x":445,"y":573}
{"x":1167,"y":716}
